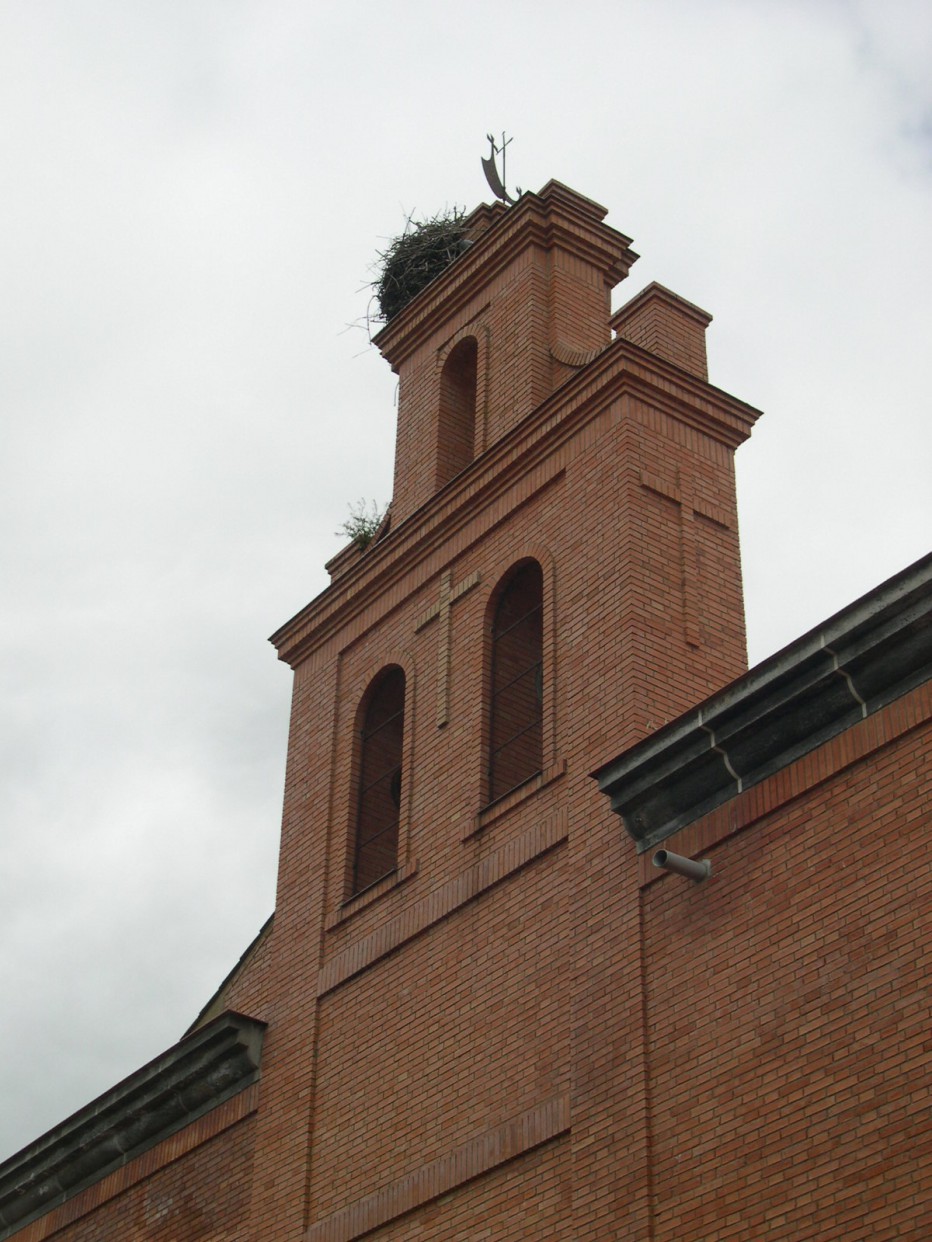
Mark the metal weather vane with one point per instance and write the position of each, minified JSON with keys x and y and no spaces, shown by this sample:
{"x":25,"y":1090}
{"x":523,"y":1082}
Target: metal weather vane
{"x":496,"y":183}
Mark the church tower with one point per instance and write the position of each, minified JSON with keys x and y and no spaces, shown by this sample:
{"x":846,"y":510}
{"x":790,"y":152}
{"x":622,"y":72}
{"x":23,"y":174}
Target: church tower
{"x":450,"y":983}
{"x":450,"y":990}
{"x":481,"y":1011}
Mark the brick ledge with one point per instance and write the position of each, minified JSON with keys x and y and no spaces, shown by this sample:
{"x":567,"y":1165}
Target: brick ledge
{"x":479,"y":1155}
{"x":489,"y":814}
{"x":362,"y":901}
{"x":443,"y":901}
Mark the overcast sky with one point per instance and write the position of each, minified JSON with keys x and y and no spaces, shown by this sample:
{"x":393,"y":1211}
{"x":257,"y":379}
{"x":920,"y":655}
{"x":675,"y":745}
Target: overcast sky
{"x":192,"y":194}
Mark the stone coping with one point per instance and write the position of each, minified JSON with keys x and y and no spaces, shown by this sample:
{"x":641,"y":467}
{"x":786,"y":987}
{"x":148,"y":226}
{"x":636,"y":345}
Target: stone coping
{"x":194,"y":1076}
{"x":861,"y":659}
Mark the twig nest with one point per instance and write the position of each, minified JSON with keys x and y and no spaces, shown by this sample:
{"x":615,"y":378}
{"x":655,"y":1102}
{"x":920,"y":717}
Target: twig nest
{"x":418,"y":256}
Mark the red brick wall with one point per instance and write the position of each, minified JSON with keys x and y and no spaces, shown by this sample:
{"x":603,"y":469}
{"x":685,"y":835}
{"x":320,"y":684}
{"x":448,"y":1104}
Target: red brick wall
{"x":194,"y":1186}
{"x":491,"y":977}
{"x":463,"y":1029}
{"x":787,"y":1013}
{"x":666,"y":325}
{"x":524,"y":1203}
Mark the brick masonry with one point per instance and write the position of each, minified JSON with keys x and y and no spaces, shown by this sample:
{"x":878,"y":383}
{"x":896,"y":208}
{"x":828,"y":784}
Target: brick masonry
{"x":522,"y":1033}
{"x":787,"y":1000}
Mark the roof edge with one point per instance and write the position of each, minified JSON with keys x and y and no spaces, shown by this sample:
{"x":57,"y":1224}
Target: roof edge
{"x":855,"y":663}
{"x":176,"y":1088}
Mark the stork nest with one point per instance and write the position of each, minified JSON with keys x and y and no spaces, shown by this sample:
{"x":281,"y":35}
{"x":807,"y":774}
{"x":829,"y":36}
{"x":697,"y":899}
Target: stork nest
{"x":424,"y":250}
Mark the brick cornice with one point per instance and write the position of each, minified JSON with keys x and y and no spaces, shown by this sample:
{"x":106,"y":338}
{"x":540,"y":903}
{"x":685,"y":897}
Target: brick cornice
{"x":620,"y":369}
{"x":655,"y":292}
{"x":556,"y":217}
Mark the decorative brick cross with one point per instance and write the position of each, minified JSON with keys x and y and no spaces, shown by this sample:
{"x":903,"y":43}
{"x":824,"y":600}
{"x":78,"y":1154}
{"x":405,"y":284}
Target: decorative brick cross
{"x":689,"y":505}
{"x":442,"y":609}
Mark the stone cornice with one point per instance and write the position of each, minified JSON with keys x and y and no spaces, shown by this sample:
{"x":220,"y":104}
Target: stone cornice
{"x":857,"y":662}
{"x":620,"y":369}
{"x":557,"y":216}
{"x":178,"y":1087}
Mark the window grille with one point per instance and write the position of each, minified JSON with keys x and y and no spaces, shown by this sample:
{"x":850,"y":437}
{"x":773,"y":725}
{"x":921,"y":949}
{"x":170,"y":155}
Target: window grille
{"x":375,"y":852}
{"x":516,"y":702}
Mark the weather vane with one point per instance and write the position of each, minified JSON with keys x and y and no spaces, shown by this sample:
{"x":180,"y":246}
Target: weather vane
{"x":496,"y":183}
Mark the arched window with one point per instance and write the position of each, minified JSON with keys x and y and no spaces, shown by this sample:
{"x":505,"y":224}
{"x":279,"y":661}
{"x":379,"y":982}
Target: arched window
{"x":456,"y":430}
{"x":516,"y":701}
{"x":375,"y":851}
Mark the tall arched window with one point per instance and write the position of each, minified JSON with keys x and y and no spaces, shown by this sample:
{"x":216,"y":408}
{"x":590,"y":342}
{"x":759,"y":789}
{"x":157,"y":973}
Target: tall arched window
{"x":375,"y":852}
{"x":456,"y":429}
{"x":516,"y":702}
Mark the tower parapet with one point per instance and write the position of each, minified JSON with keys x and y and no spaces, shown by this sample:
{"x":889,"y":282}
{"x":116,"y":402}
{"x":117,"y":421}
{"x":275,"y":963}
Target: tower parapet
{"x":486,"y":342}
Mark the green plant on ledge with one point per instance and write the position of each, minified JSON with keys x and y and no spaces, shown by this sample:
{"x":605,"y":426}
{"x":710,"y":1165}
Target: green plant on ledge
{"x":364,"y":520}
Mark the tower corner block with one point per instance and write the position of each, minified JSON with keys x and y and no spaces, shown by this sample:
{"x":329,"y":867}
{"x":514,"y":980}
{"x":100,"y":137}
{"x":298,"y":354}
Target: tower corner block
{"x":666,"y":325}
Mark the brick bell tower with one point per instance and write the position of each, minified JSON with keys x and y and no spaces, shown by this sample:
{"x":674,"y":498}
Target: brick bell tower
{"x":451,"y":981}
